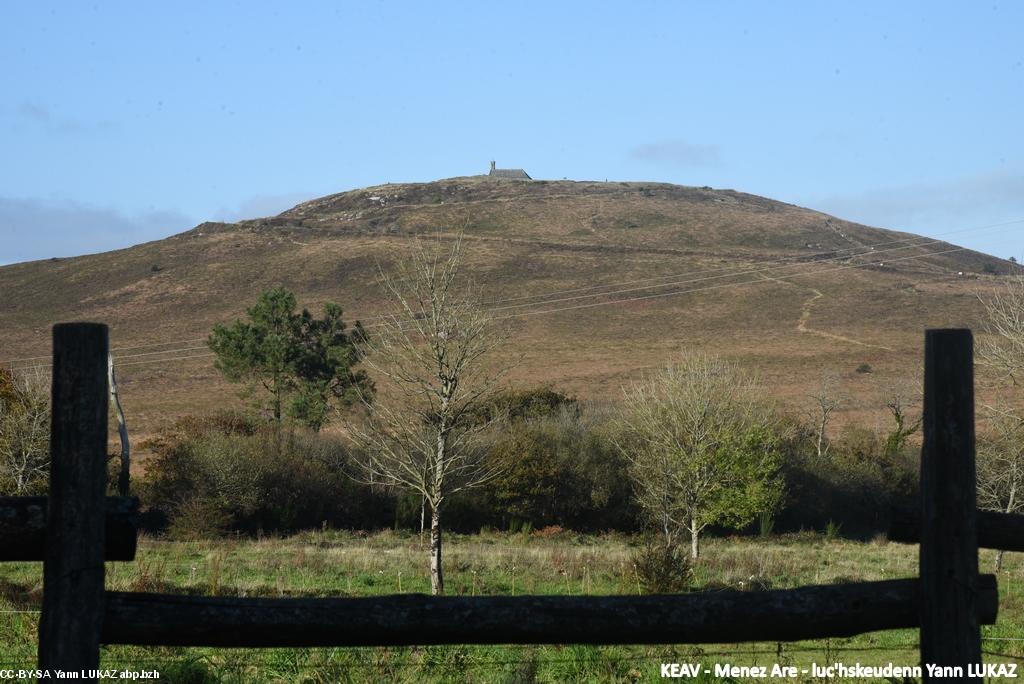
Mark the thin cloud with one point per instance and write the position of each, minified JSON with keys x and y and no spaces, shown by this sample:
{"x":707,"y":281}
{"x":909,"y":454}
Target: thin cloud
{"x":38,"y":229}
{"x":677,"y":152}
{"x":944,"y":203}
{"x":41,"y":116}
{"x":260,"y":206}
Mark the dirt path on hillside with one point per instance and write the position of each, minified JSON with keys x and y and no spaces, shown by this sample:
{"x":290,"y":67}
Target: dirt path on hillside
{"x":805,"y":316}
{"x":845,"y":236}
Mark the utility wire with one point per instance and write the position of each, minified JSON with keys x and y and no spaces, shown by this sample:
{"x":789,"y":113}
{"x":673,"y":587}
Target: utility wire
{"x":725,"y":275}
{"x":800,"y":260}
{"x":725,"y":285}
{"x":135,"y":363}
{"x":181,"y":358}
{"x":141,"y":346}
{"x":657,"y":295}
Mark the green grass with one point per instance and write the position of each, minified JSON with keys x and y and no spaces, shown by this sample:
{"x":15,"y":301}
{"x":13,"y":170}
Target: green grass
{"x":346,"y":564}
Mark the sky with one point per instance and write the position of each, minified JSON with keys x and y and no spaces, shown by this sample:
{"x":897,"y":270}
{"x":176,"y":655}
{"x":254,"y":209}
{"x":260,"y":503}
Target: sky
{"x":123,"y":122}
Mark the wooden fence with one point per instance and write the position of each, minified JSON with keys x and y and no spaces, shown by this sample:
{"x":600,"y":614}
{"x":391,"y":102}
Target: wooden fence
{"x":77,"y":527}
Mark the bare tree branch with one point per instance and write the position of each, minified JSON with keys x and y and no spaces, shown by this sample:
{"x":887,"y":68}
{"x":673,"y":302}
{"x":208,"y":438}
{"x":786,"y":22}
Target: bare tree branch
{"x":824,"y":402}
{"x":1003,"y":349}
{"x":24,"y":433}
{"x":423,"y":431}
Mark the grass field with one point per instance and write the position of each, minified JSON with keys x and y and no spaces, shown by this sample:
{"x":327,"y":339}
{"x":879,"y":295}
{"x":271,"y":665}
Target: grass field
{"x":332,"y":563}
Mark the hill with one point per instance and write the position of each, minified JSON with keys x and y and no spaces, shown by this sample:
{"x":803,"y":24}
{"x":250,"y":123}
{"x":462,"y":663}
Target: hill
{"x":599,"y":282}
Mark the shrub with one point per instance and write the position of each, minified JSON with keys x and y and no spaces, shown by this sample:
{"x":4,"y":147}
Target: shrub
{"x":197,"y":518}
{"x":225,"y":472}
{"x":550,"y":531}
{"x":662,"y":568}
{"x":854,"y":485}
{"x":519,"y":405}
{"x":560,"y":469}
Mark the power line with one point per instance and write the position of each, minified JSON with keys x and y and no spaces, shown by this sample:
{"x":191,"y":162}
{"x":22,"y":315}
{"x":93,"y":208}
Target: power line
{"x":725,"y":285}
{"x":141,"y":346}
{"x":657,"y":295}
{"x":167,"y":351}
{"x":803,"y":258}
{"x":180,"y":358}
{"x":868,"y":250}
{"x":136,"y":363}
{"x":725,"y":275}
{"x":800,"y":260}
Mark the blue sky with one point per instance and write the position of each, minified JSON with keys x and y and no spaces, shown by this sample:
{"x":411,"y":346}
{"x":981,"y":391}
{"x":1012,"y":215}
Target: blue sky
{"x":126,"y":122}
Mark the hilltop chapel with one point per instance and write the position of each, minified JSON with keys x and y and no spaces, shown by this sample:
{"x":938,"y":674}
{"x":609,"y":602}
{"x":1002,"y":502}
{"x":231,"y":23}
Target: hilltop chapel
{"x":515,"y":174}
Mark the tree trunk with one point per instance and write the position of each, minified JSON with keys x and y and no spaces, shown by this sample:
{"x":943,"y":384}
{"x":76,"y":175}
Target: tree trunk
{"x":277,"y":398}
{"x":694,"y":540}
{"x":1010,"y":505}
{"x":436,"y":573}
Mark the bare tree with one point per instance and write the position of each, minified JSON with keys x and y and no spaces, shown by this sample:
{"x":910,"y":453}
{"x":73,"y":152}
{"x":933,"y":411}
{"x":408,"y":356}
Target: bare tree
{"x":1003,"y":349}
{"x":825,"y":402}
{"x":701,"y":448}
{"x":24,"y":433}
{"x":1001,"y":466}
{"x":423,"y":428}
{"x":1001,"y":450}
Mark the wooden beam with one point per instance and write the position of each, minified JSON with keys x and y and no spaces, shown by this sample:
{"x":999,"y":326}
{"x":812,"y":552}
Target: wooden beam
{"x":996,"y":530}
{"x":72,"y":615}
{"x":837,"y":610}
{"x":950,"y":633}
{"x":23,"y":528}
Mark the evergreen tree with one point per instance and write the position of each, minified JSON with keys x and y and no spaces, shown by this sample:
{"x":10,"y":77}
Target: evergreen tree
{"x":306,"y":364}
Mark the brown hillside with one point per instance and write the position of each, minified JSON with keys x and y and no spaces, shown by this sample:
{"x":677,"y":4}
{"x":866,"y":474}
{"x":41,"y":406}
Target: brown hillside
{"x":791,"y":292}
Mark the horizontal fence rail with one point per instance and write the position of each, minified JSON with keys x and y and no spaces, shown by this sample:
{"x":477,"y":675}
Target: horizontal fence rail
{"x":77,"y":527}
{"x":1003,"y":531}
{"x":23,"y":528}
{"x":838,"y":610}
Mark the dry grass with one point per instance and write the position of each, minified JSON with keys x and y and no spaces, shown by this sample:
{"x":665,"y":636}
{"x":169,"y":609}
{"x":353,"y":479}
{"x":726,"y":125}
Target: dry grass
{"x":523,"y":239}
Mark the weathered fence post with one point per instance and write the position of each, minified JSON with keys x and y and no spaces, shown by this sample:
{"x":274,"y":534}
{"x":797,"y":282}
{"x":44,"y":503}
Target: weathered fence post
{"x":123,"y":479}
{"x":73,"y":599}
{"x":950,"y":634}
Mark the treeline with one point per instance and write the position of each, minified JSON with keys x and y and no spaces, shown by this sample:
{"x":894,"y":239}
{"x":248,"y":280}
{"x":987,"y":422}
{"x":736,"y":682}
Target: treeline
{"x":557,"y":466}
